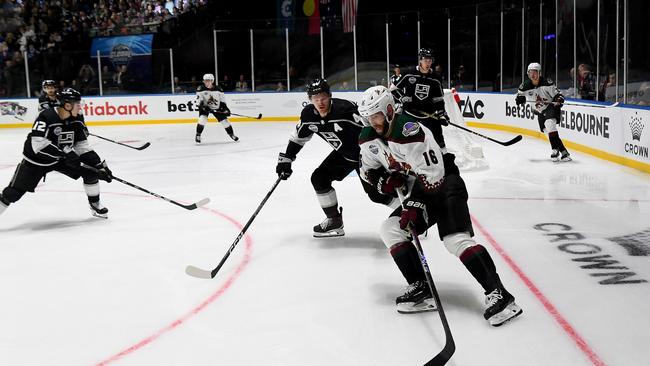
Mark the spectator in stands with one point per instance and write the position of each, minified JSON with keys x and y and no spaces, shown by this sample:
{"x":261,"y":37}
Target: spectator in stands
{"x":586,"y":83}
{"x":279,"y":87}
{"x":178,"y":88}
{"x":85,"y":82}
{"x":241,"y":85}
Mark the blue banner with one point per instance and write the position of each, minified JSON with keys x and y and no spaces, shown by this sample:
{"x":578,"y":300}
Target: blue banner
{"x":127,"y":59}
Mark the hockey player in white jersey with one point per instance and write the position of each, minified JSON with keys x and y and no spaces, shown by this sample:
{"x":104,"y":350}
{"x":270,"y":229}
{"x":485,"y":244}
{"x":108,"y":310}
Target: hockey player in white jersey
{"x":211,"y":99}
{"x":397,"y":153}
{"x":547,"y":104}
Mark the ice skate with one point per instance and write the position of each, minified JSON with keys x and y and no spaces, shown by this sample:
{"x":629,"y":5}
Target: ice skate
{"x":330,"y":227}
{"x":555,"y":155}
{"x":98,"y":210}
{"x":234,"y":137}
{"x":416,"y":299}
{"x":565,"y":156}
{"x":501,"y":307}
{"x":197,"y":139}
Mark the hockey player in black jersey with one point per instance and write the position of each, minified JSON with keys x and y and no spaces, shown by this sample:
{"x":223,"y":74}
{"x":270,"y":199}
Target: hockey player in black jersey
{"x":419,"y":90}
{"x":211,"y":99}
{"x":397,"y":154}
{"x":48,"y":99}
{"x":337,"y":122}
{"x":57,"y":142}
{"x":547,"y":105}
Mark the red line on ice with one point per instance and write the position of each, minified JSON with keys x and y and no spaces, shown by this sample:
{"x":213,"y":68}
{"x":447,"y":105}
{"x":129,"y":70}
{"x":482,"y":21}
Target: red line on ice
{"x":566,"y":326}
{"x":176,"y":323}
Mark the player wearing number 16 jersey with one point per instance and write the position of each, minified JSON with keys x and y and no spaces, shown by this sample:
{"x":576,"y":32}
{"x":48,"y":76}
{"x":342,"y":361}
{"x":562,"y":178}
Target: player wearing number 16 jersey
{"x":337,"y":122}
{"x":397,"y":153}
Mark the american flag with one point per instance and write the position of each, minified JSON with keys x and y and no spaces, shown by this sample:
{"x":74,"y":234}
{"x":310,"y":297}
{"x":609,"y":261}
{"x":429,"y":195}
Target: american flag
{"x":349,"y":10}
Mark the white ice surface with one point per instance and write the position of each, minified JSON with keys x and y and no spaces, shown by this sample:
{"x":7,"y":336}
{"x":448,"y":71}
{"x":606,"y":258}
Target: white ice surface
{"x":78,"y":290}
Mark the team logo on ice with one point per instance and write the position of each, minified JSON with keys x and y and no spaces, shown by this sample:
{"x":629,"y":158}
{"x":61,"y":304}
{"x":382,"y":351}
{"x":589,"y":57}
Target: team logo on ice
{"x":410,"y":129}
{"x":374,"y":149}
{"x":421,"y":91}
{"x":412,"y":80}
{"x":313,"y":128}
{"x":636,"y":244}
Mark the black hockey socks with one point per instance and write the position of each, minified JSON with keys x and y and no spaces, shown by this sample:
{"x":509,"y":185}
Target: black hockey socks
{"x":408,"y":261}
{"x":479,"y":263}
{"x":199,"y":129}
{"x":331,"y":211}
{"x":229,"y":130}
{"x":556,"y":143}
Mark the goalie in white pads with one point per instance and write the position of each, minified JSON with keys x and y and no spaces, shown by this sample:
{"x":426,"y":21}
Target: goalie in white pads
{"x":211,"y":99}
{"x":398,"y":154}
{"x":547,"y":104}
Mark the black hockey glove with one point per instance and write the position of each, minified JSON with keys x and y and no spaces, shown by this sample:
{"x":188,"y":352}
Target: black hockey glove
{"x":389,"y":183}
{"x":103,"y":173}
{"x":558,"y":100}
{"x":284,"y":166}
{"x":72,"y":160}
{"x":413,"y":211}
{"x":441,"y":117}
{"x":223,"y":108}
{"x":521,"y":99}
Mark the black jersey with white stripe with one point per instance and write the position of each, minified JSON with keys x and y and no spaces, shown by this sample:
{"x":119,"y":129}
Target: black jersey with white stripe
{"x":340,"y":128}
{"x":45,"y":102}
{"x":51,"y":135}
{"x":423,"y":92}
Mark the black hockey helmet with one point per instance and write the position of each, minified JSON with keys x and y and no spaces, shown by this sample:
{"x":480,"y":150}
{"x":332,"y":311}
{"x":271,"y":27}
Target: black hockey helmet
{"x":317,"y":86}
{"x":68,"y":95}
{"x":425,"y":52}
{"x":48,"y":83}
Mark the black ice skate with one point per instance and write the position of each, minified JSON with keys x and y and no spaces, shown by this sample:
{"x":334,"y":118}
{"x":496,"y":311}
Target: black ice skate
{"x":565,"y":156}
{"x":332,"y":226}
{"x":197,"y":139}
{"x":555,"y":155}
{"x":416,"y":299}
{"x":234,"y":137}
{"x":98,"y":210}
{"x":501,"y":307}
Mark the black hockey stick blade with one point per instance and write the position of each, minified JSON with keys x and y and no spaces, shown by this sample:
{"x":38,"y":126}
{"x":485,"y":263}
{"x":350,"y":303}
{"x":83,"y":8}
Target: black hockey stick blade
{"x":514,"y":140}
{"x":198,"y":272}
{"x":146,"y":145}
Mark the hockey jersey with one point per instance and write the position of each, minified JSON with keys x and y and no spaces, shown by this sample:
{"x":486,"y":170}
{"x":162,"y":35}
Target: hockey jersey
{"x":420,"y":93}
{"x":409,"y":149}
{"x":52,"y":136}
{"x":44,"y":102}
{"x":541,"y":95}
{"x":212,"y":98}
{"x":340,"y":128}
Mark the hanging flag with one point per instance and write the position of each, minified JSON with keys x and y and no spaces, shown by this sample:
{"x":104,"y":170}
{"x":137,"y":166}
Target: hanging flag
{"x":285,"y":14}
{"x":310,"y":9}
{"x":349,"y":10}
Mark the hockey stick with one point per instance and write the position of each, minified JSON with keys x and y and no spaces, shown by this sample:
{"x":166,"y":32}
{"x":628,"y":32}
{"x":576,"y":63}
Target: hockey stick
{"x":450,"y":346}
{"x":512,"y":141}
{"x":208,"y":274}
{"x":193,"y":206}
{"x":146,"y":145}
{"x":259,"y":116}
{"x":578,"y":104}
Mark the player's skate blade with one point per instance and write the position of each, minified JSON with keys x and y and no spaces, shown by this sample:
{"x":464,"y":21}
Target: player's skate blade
{"x":98,"y":210}
{"x":330,"y":233}
{"x":510,"y":312}
{"x":414,"y":308}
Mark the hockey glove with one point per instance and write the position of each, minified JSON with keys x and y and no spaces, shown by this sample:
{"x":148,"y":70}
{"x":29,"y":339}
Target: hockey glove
{"x":558,"y":100}
{"x":103,"y":173}
{"x":521,"y":99}
{"x":441,"y":116}
{"x":412,"y":212}
{"x":284,"y":166}
{"x":72,"y":160}
{"x":405,"y":99}
{"x":389,"y":183}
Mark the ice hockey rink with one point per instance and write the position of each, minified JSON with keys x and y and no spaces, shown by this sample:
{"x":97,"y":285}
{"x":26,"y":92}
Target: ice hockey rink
{"x":571,"y":241}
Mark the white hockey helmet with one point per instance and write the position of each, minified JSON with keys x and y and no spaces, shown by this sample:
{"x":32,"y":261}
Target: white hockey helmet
{"x":534,"y":66}
{"x":376,"y":99}
{"x":208,"y":77}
